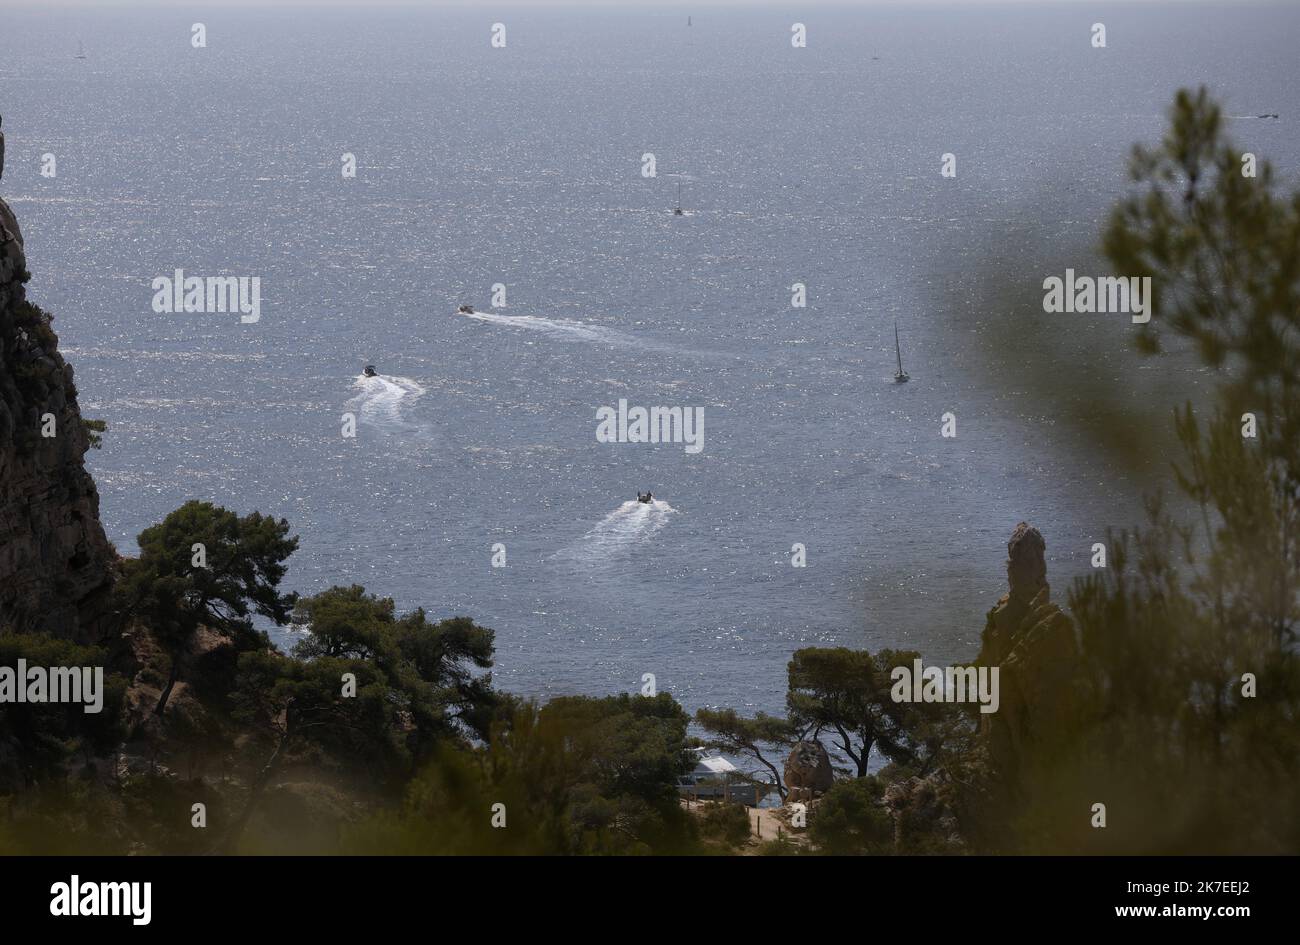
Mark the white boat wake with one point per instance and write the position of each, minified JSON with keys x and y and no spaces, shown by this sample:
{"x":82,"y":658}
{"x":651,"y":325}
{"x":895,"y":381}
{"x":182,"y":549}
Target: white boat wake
{"x":385,"y":403}
{"x":566,"y":328}
{"x":621,"y":531}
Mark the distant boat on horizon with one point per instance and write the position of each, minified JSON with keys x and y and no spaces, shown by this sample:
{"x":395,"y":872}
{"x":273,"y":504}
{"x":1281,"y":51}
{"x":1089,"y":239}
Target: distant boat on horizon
{"x":901,"y":377}
{"x":81,"y":50}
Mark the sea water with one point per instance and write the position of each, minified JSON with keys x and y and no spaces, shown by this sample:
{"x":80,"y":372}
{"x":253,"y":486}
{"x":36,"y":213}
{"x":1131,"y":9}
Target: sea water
{"x":522,"y":167}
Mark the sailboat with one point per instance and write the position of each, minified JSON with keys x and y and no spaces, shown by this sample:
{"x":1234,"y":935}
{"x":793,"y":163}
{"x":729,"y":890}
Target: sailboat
{"x":81,"y":50}
{"x":677,"y":211}
{"x":900,"y":377}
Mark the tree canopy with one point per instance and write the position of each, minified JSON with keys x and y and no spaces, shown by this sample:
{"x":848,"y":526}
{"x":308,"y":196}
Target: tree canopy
{"x":203,"y":565}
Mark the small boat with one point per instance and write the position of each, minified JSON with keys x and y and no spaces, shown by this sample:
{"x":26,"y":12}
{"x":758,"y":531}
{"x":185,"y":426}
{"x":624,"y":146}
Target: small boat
{"x":644,"y":497}
{"x":370,"y":371}
{"x":81,"y":50}
{"x":900,"y":376}
{"x":465,"y":310}
{"x":677,"y":211}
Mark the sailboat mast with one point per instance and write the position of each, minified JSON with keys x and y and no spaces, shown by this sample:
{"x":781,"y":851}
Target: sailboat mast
{"x":897,"y":349}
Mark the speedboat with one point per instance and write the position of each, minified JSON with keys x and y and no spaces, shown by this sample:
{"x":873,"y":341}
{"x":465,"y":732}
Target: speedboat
{"x":465,"y":310}
{"x":645,"y":497}
{"x":370,"y":371}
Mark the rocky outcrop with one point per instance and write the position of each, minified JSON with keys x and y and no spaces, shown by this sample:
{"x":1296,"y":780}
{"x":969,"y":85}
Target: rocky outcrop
{"x":1034,"y":644}
{"x":9,"y":222}
{"x":808,"y":771}
{"x":56,"y":565}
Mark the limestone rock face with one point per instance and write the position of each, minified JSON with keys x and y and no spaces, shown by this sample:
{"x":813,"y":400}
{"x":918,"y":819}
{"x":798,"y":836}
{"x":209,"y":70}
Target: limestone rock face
{"x":1034,"y":644}
{"x":808,"y":771}
{"x":9,"y":222}
{"x":56,"y":565}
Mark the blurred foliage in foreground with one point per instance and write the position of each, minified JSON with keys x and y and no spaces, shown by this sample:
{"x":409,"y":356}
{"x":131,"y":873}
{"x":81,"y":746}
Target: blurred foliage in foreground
{"x":1188,"y":639}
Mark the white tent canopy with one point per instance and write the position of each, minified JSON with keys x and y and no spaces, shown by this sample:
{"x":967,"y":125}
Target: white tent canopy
{"x":711,"y":766}
{"x":714,"y":766}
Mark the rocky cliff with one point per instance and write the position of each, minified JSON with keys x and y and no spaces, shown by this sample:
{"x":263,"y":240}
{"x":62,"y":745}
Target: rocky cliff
{"x":976,"y":801}
{"x":1034,"y":643}
{"x":56,"y":565}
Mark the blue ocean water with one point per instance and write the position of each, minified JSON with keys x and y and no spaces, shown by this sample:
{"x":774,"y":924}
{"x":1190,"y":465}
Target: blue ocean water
{"x":522,"y":166}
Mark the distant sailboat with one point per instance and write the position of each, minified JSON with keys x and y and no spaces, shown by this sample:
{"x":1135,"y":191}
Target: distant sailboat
{"x":677,"y":211}
{"x":81,"y":50}
{"x":901,"y":376}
